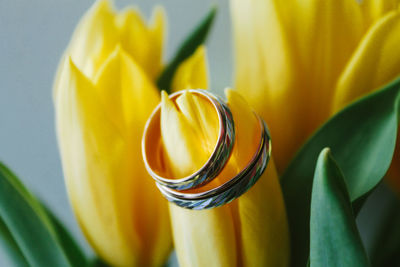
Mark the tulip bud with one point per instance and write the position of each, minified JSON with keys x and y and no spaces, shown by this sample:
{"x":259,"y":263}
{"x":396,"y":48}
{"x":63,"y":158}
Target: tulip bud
{"x":251,"y":230}
{"x":103,"y":93}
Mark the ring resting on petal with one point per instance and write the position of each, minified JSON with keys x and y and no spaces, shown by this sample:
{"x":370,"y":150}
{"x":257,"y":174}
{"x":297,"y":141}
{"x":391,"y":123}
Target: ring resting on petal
{"x":178,"y":191}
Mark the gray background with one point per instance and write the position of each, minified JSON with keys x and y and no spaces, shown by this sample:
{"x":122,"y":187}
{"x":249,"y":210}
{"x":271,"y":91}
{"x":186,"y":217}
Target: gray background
{"x":33,"y":35}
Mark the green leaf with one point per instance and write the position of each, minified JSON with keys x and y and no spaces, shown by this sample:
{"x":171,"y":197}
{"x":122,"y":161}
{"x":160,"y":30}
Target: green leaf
{"x":188,"y":47}
{"x":386,"y":246}
{"x":362,"y":138}
{"x":64,"y":238}
{"x":68,"y":243}
{"x":28,"y":224}
{"x":97,"y":262}
{"x":10,"y":247}
{"x":334,"y":237}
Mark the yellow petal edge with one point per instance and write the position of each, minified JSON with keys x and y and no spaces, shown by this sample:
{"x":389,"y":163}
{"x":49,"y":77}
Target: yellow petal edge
{"x":250,"y":231}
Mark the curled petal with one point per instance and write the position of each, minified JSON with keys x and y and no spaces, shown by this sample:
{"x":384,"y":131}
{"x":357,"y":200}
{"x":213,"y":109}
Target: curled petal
{"x":375,"y":9}
{"x":374,"y":63}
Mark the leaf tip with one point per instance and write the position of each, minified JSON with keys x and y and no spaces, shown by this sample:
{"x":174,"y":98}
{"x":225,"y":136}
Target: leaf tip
{"x":209,"y":19}
{"x":213,"y":10}
{"x":325,"y":153}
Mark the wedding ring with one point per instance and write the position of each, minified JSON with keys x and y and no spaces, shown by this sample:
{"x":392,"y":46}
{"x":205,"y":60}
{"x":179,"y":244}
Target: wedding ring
{"x":231,"y":189}
{"x":151,"y":144}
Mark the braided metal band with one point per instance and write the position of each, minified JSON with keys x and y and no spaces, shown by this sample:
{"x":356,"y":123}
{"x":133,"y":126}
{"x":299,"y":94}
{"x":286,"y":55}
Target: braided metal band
{"x":218,"y":158}
{"x":230,"y":190}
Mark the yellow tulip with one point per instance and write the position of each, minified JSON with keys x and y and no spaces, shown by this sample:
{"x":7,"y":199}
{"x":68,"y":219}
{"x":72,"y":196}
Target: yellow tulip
{"x":193,"y":72}
{"x":250,"y":231}
{"x":299,"y":62}
{"x":104,"y":92}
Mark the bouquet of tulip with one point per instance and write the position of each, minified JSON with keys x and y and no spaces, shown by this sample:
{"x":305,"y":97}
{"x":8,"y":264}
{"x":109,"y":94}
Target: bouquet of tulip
{"x":273,"y":175}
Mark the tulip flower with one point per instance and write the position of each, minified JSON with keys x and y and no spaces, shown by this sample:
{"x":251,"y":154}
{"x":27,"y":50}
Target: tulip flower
{"x":250,"y":231}
{"x":103,"y":94}
{"x":299,"y":62}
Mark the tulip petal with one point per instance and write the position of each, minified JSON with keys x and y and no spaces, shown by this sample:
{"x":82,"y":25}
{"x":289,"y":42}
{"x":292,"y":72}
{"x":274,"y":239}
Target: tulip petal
{"x":266,"y":71}
{"x":263,"y":220}
{"x":102,"y":104}
{"x":89,"y":181}
{"x":100,"y":164}
{"x":193,"y":72}
{"x":326,"y":34}
{"x":325,"y":47}
{"x":126,"y":92}
{"x":248,"y":131}
{"x":375,"y":9}
{"x":56,"y":83}
{"x":201,"y":117}
{"x":129,"y":97}
{"x":101,"y":29}
{"x":288,"y":57}
{"x":375,"y":62}
{"x":238,"y":233}
{"x":143,"y":42}
{"x":186,"y":145}
{"x":94,"y":38}
{"x":205,"y":237}
{"x":197,"y":37}
{"x":261,"y":213}
{"x":183,"y":142}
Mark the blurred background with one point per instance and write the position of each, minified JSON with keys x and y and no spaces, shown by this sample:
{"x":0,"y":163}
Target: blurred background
{"x":33,"y":36}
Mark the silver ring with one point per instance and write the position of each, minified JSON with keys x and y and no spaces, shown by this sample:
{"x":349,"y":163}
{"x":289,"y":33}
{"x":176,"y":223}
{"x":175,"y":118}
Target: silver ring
{"x":214,"y":164}
{"x":231,"y":189}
